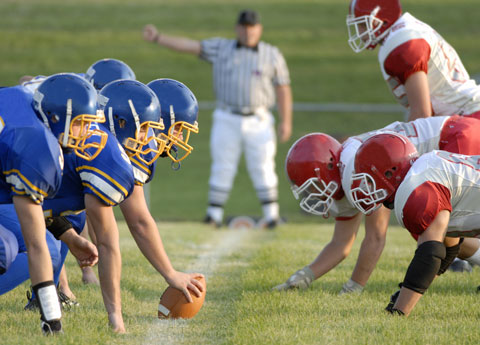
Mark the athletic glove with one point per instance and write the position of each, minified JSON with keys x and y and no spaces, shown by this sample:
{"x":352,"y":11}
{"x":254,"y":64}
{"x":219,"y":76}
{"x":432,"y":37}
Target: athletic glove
{"x":351,"y":286}
{"x":393,"y":299}
{"x":301,"y":279}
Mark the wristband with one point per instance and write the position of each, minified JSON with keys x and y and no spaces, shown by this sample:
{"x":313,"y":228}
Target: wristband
{"x":58,"y":226}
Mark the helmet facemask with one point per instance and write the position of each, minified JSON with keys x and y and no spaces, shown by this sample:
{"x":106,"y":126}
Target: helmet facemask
{"x":147,"y":146}
{"x":315,"y":196}
{"x":86,"y":141}
{"x":365,"y":194}
{"x":363,"y":31}
{"x":177,"y":138}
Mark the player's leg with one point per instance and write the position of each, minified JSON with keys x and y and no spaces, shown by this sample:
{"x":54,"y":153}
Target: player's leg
{"x":225,"y":150}
{"x":88,"y":274}
{"x":8,"y":256}
{"x":260,"y":149}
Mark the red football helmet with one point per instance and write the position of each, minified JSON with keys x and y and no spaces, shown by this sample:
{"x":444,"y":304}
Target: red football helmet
{"x":312,"y":167}
{"x":369,"y":21}
{"x":381,"y":164}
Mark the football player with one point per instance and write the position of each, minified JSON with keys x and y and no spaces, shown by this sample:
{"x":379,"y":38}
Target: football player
{"x":104,"y":71}
{"x":424,"y":73}
{"x":179,"y":115}
{"x":434,"y":197}
{"x":134,"y":116}
{"x":32,"y":163}
{"x":320,"y":171}
{"x":98,"y":74}
{"x":94,"y":180}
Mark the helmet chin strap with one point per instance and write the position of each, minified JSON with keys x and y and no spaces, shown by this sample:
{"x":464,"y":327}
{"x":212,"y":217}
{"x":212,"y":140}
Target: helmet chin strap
{"x":66,"y":130}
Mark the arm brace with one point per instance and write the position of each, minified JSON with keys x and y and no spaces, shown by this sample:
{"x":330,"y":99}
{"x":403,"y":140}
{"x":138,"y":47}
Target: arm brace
{"x":424,"y":266}
{"x":58,"y":226}
{"x":451,"y":254}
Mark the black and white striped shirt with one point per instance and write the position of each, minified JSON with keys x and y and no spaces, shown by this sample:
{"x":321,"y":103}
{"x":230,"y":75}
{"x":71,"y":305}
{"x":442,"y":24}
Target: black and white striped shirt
{"x":244,"y":78}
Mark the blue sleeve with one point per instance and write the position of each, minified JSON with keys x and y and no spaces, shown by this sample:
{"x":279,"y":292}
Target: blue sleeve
{"x":78,"y":221}
{"x":33,"y":167}
{"x":110,"y":175}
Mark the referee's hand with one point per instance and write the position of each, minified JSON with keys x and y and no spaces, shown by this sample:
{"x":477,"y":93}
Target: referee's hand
{"x":150,"y":33}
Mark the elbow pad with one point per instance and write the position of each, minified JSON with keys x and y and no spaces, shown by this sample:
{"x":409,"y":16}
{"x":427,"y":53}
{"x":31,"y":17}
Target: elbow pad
{"x":424,"y":266}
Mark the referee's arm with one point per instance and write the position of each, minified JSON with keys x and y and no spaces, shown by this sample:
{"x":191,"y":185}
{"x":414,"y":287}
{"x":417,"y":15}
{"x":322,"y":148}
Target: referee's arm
{"x":181,"y":44}
{"x":284,"y":105}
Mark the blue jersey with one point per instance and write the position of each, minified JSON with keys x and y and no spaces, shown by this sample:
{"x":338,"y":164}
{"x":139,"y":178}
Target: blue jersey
{"x":109,"y":177}
{"x":31,"y":159}
{"x":142,"y":172}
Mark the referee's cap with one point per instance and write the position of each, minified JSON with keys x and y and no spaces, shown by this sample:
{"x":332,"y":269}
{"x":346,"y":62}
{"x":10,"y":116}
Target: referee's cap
{"x":248,"y":17}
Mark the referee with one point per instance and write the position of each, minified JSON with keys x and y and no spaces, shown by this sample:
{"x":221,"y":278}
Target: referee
{"x":248,"y":75}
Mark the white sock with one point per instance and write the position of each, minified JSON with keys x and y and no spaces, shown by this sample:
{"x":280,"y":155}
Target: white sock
{"x":475,"y":258}
{"x":270,"y":211}
{"x":216,"y":213}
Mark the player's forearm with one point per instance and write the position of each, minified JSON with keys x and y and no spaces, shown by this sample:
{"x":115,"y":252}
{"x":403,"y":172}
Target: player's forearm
{"x":32,"y":223}
{"x":109,"y":271}
{"x":368,"y":256}
{"x":418,"y":95}
{"x":150,"y":244}
{"x":329,"y":257}
{"x":407,"y":300}
{"x":180,"y":44}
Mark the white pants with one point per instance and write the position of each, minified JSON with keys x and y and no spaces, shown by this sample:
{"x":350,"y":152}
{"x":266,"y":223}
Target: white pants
{"x":233,"y":134}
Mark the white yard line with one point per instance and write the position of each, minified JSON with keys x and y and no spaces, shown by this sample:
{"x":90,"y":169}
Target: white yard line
{"x":169,"y":332}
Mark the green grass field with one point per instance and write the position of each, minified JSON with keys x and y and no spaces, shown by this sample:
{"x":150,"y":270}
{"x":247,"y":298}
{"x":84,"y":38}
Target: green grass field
{"x":50,"y":36}
{"x":241,"y":267}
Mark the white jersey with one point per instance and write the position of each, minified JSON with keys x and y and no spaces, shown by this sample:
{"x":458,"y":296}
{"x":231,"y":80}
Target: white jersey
{"x":424,"y":133}
{"x":456,"y":186}
{"x":344,"y":207}
{"x":413,"y":46}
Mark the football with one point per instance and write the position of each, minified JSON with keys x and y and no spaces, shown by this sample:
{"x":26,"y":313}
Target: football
{"x":174,"y":305}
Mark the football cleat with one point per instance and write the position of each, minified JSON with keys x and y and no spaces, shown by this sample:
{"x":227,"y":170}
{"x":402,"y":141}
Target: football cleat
{"x":32,"y":304}
{"x":66,"y":302}
{"x":209,"y":220}
{"x":459,"y":265}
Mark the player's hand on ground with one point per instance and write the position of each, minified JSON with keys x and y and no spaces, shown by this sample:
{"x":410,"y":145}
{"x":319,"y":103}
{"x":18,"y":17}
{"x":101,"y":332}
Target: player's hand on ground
{"x":393,"y":299}
{"x":186,"y":283}
{"x":351,"y":287}
{"x":302,"y":279}
{"x":150,"y":33}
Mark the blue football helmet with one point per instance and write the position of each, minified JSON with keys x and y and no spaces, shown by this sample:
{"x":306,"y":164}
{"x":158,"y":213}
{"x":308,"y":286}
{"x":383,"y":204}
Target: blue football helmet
{"x":133,"y":116}
{"x":67,"y":104}
{"x":179,"y":114}
{"x":104,"y":71}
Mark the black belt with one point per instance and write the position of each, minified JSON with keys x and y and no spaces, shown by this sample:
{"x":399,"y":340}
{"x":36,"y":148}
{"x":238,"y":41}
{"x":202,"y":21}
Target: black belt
{"x":241,"y":112}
